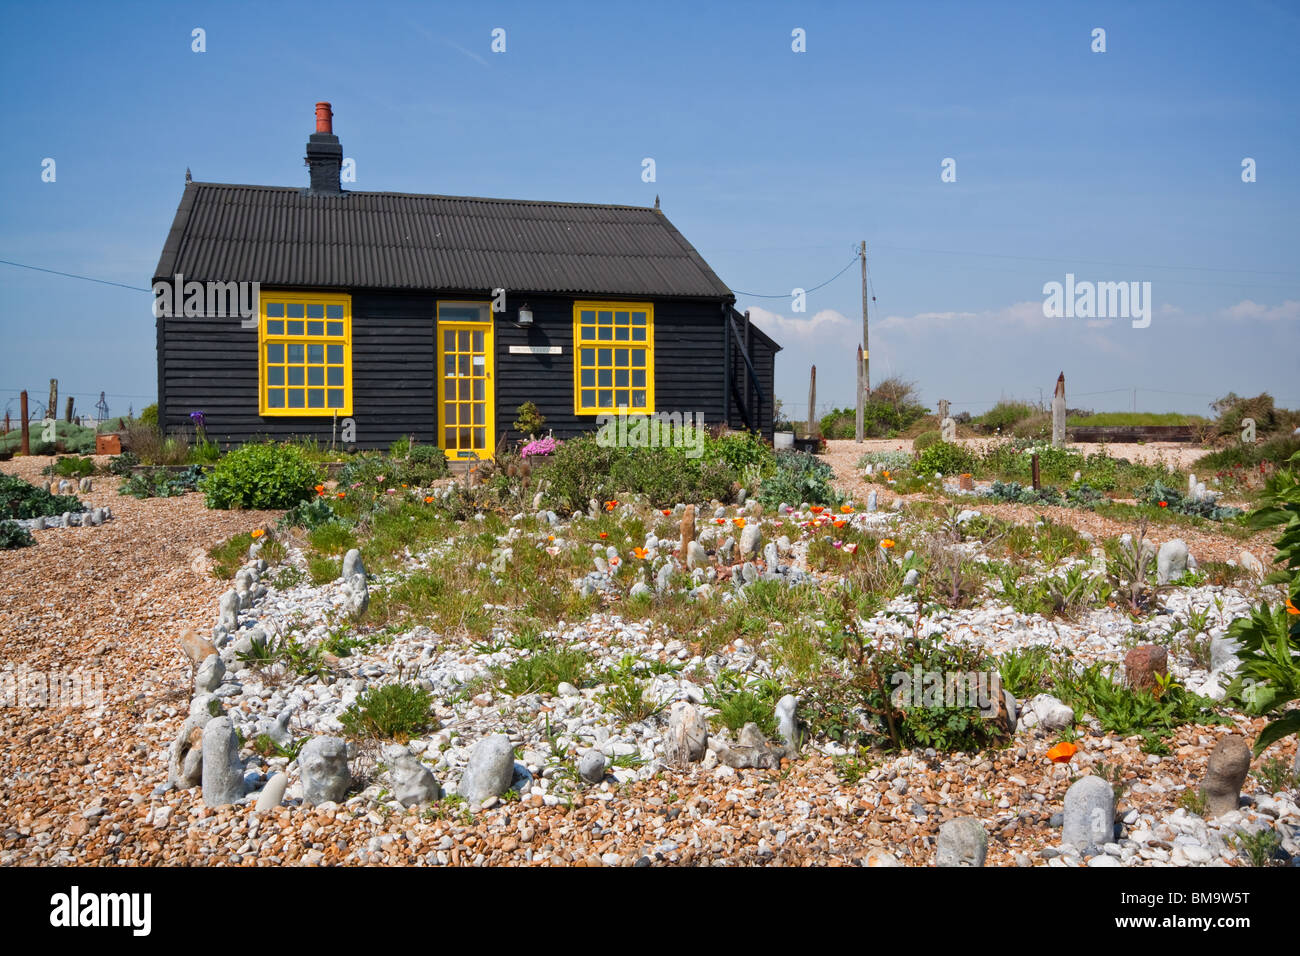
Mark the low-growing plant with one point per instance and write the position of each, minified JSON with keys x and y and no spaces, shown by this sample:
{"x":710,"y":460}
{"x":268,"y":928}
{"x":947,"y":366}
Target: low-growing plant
{"x":261,"y":476}
{"x":14,"y":535}
{"x":19,"y":499}
{"x":543,"y":672}
{"x":799,"y":477}
{"x":391,"y":712}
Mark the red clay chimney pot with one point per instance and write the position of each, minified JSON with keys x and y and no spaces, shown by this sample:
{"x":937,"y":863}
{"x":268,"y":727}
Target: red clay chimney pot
{"x":324,"y":118}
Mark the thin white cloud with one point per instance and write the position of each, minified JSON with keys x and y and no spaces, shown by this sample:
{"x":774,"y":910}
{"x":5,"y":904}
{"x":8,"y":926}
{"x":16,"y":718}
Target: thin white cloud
{"x":1248,"y":310}
{"x":826,"y":327}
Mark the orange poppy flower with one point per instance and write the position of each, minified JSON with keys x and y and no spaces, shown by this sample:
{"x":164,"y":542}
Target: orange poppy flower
{"x":640,"y":553}
{"x":719,"y":520}
{"x":740,"y":522}
{"x":1062,"y":752}
{"x":667,"y":512}
{"x":341,"y":495}
{"x":840,"y":522}
{"x":611,"y":505}
{"x":1164,"y":504}
{"x":887,"y":543}
{"x":428,"y":499}
{"x":604,"y":534}
{"x":816,"y":509}
{"x":1291,"y":608}
{"x":320,"y":489}
{"x":846,"y":509}
{"x":885,"y":474}
{"x":256,"y":533}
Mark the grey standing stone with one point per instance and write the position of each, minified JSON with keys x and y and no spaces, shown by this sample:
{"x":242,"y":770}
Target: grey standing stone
{"x":639,"y":589}
{"x":728,"y":550}
{"x":664,"y":577}
{"x":1171,"y":560}
{"x":787,"y":724}
{"x":696,"y":556}
{"x":65,"y":487}
{"x":1251,"y":563}
{"x":272,"y":793}
{"x":358,"y":594}
{"x":209,"y":674}
{"x":85,"y":485}
{"x":751,"y":539}
{"x":873,"y":500}
{"x":1089,"y":821}
{"x":1225,"y":772}
{"x":352,"y":564}
{"x":185,"y":759}
{"x":770,"y":556}
{"x":591,"y":766}
{"x":911,"y":577}
{"x":229,"y":611}
{"x":962,"y":842}
{"x":687,"y":737}
{"x":413,"y":783}
{"x":223,"y":775}
{"x":38,"y":523}
{"x":491,"y":769}
{"x":323,"y":765}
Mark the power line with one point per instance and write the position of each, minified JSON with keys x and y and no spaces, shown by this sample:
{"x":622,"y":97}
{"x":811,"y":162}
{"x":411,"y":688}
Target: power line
{"x":786,"y":295}
{"x":73,"y":275}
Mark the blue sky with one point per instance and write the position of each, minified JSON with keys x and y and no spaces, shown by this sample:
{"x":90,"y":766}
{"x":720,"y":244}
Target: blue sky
{"x":1115,"y":166}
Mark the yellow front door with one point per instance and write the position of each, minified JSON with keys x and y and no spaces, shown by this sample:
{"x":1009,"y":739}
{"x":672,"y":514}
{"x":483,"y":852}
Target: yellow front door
{"x":465,"y":406}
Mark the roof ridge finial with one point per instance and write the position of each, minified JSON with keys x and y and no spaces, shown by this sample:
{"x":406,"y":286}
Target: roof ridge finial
{"x":188,"y":177}
{"x":656,"y":200}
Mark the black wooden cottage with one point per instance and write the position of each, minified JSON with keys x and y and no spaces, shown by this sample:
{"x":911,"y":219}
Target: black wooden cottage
{"x":379,"y":308}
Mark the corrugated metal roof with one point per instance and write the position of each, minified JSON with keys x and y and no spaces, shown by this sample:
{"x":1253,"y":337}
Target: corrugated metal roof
{"x":289,"y":237}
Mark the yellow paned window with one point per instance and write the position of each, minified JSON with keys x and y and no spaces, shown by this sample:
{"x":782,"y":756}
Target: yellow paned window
{"x":305,"y":354}
{"x":613,"y":357}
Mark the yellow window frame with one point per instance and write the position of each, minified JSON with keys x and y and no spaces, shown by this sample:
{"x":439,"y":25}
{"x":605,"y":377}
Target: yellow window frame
{"x":581,"y":407}
{"x":266,"y":337}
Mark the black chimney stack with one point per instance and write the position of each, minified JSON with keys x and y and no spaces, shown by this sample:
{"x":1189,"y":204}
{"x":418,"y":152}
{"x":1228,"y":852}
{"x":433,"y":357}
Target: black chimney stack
{"x":324,"y":154}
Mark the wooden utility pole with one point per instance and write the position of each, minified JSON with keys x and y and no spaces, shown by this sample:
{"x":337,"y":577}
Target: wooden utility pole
{"x":858,"y":434}
{"x":52,"y":409}
{"x":866,"y":343}
{"x":27,"y":438}
{"x":67,"y":416}
{"x":812,"y":402}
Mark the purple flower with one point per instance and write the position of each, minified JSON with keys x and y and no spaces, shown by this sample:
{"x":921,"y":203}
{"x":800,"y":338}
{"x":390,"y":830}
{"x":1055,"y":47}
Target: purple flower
{"x":540,"y":446}
{"x":197,"y":419}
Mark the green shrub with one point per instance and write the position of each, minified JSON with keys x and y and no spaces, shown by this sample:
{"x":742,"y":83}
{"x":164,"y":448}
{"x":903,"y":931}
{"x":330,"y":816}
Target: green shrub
{"x":149,"y":415}
{"x":71,"y":467}
{"x":890,"y":461}
{"x":924,"y":440}
{"x":18,"y":499}
{"x":261,"y":476}
{"x":530,"y":420}
{"x":947,"y":458}
{"x":741,"y":451}
{"x":121,"y":465}
{"x":310,"y":514}
{"x":799,"y":477}
{"x":424,"y":465}
{"x":391,"y":712}
{"x":582,"y":469}
{"x":1004,"y":416}
{"x":14,"y":535}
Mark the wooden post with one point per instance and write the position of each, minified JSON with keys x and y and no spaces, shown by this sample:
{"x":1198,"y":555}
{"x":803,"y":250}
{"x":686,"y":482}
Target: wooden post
{"x":67,"y":415}
{"x":27,"y":438}
{"x":866,"y":342}
{"x":812,"y":402}
{"x":1034,"y":465}
{"x":1058,"y":413}
{"x":859,"y":431}
{"x":52,"y":409}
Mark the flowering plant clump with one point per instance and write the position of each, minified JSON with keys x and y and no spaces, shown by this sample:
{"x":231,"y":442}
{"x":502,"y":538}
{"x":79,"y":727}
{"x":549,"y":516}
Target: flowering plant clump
{"x":540,"y":446}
